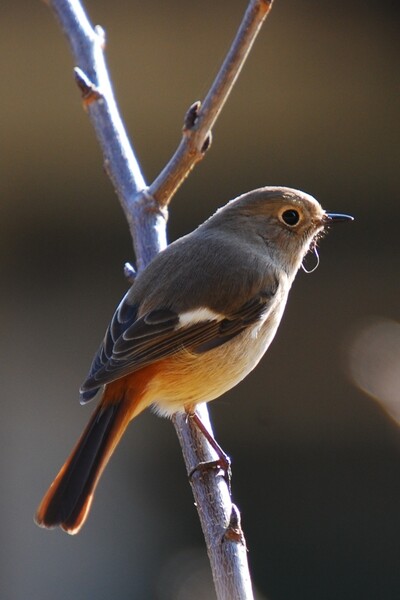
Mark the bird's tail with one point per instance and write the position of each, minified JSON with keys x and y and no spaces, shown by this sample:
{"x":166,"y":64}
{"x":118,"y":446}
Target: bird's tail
{"x":68,"y":500}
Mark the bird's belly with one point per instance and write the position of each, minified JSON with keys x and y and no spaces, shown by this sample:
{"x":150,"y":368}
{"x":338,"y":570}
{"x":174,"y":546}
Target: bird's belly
{"x":187,"y":379}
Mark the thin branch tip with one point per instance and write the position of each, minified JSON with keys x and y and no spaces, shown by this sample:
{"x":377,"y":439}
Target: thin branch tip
{"x":89,"y":91}
{"x":201,"y":116}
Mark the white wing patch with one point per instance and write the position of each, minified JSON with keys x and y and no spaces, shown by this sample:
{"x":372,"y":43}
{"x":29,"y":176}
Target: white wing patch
{"x":198,"y":315}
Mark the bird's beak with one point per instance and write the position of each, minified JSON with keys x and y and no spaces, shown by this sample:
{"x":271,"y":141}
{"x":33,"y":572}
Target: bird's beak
{"x":337,"y":218}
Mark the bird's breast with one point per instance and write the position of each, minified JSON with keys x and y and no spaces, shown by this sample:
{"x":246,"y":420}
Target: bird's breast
{"x":186,"y":379}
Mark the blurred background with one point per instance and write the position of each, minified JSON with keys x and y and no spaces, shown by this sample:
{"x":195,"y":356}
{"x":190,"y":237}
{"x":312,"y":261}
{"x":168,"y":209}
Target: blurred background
{"x":316,"y":456}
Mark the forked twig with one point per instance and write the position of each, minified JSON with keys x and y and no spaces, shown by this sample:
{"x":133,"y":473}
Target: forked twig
{"x":145,"y":209}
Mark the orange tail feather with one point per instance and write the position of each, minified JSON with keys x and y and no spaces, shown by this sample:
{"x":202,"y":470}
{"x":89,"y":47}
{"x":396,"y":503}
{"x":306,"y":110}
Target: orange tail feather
{"x":68,"y":500}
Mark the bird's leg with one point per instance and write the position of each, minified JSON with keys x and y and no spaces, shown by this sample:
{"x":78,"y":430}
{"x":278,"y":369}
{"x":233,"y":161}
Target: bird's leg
{"x":223,"y":462}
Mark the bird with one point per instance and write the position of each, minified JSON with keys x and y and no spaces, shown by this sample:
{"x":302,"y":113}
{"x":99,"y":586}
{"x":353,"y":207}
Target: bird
{"x":194,"y":323}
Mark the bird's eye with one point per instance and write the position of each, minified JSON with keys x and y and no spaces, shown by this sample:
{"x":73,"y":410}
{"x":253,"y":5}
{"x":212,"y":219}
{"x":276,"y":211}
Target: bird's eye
{"x":290,"y":217}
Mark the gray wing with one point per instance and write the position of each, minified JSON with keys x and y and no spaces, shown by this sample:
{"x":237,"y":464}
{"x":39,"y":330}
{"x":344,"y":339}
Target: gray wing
{"x":131,"y":343}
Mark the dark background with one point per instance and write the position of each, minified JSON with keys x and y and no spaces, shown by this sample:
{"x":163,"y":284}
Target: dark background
{"x":316,"y":461}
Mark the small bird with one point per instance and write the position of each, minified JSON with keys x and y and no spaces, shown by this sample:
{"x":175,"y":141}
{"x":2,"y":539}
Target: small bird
{"x":194,"y":323}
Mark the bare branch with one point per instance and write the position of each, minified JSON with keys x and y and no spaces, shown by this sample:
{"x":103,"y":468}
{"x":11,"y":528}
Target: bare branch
{"x":219,"y":518}
{"x":201,"y":117}
{"x":146,"y":210}
{"x":145,"y":218}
